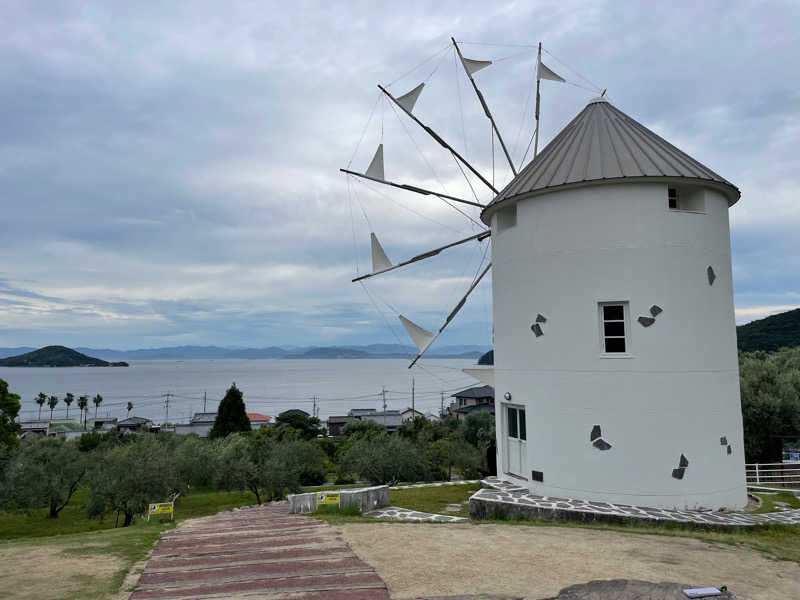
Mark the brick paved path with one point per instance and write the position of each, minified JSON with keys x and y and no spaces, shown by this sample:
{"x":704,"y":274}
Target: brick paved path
{"x":258,"y":552}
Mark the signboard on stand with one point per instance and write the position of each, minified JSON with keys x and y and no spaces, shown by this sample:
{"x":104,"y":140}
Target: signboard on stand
{"x":161,"y":508}
{"x":328,"y":498}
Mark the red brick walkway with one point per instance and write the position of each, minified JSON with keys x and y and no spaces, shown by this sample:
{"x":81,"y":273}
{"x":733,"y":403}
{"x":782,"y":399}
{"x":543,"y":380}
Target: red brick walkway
{"x":261,"y":552}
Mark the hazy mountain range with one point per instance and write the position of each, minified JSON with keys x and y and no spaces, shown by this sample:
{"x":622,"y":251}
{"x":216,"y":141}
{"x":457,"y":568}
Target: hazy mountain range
{"x":216,"y":352}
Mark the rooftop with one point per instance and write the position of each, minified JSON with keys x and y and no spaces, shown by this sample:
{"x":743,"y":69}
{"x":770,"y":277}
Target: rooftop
{"x":604,"y":145}
{"x":258,"y":418}
{"x":204,"y":417}
{"x":481,"y":391}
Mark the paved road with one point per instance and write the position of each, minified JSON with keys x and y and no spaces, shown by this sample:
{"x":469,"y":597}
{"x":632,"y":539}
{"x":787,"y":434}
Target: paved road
{"x":260,"y":552}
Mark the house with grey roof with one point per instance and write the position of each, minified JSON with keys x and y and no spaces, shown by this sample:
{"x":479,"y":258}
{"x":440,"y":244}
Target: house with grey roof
{"x":474,"y":396}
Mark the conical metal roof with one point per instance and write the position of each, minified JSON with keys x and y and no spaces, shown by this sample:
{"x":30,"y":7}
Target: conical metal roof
{"x":604,"y":145}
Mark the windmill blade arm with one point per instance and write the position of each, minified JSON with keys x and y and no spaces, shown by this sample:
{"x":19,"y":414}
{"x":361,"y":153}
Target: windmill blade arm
{"x":485,"y":107}
{"x":441,"y":142}
{"x":452,"y":314}
{"x":413,"y":188}
{"x":430,"y":253}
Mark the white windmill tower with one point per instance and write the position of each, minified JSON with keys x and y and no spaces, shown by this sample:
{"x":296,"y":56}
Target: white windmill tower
{"x":615,"y":364}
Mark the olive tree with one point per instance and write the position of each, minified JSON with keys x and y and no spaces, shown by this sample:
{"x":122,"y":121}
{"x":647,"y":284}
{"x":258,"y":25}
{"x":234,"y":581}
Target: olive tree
{"x":45,"y":472}
{"x":385,"y":459}
{"x":130,"y":476}
{"x":266,"y":467}
{"x":770,"y":390}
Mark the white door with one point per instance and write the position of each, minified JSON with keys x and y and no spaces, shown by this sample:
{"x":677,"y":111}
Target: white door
{"x":516,"y":436}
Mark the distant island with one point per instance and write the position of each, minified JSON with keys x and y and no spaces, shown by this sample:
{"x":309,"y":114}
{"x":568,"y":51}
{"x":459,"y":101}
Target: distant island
{"x":56,"y":356}
{"x":370,"y":351}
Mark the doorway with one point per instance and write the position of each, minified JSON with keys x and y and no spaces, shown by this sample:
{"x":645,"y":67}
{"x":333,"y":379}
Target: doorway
{"x":516,"y":439}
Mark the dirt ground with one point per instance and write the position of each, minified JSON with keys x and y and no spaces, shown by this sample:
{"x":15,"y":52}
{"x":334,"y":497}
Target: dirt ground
{"x":44,"y":573}
{"x":536,"y":562}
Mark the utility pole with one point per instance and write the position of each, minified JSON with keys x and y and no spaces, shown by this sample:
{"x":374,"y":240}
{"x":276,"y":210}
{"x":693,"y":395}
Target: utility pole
{"x":204,"y":401}
{"x":314,"y":410}
{"x":413,"y":412}
{"x":383,"y":393}
{"x":441,"y":409}
{"x":166,"y":406}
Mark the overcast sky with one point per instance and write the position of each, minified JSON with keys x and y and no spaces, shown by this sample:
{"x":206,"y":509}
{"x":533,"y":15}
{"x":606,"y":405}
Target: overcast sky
{"x":169,"y":171}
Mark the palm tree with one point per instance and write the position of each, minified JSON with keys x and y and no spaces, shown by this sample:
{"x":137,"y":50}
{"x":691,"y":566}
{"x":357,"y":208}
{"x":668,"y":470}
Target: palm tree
{"x":83,"y":403}
{"x":40,"y":400}
{"x":97,"y":400}
{"x":69,"y":399}
{"x":130,"y":408}
{"x":52,"y":402}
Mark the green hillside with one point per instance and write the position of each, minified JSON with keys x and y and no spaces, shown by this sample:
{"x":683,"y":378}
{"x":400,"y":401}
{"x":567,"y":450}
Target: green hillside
{"x":771,"y":333}
{"x":56,"y":356}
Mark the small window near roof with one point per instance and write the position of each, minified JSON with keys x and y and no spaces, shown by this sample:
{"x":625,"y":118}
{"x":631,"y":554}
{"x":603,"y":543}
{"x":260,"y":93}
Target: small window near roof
{"x":613,"y":327}
{"x":672,"y":197}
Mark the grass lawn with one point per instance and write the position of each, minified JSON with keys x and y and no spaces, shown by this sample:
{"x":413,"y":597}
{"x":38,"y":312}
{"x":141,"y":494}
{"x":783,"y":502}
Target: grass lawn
{"x":73,"y":519}
{"x":768,"y":501}
{"x":434,"y":499}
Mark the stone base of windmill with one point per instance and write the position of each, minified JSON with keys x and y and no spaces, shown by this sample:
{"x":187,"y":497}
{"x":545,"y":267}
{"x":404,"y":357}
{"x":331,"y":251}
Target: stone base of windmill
{"x":502,"y":500}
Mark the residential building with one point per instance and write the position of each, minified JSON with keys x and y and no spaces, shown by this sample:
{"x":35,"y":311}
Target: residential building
{"x":294,"y":411}
{"x":408,"y":414}
{"x":200,"y":424}
{"x":336,"y":424}
{"x":69,"y":430}
{"x":482,"y":394}
{"x":391,"y":419}
{"x":104,"y":424}
{"x":33,"y":428}
{"x":257,"y":420}
{"x":136,"y":425}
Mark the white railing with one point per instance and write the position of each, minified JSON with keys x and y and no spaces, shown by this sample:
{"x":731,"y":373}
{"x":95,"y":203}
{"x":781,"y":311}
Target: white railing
{"x":783,"y":475}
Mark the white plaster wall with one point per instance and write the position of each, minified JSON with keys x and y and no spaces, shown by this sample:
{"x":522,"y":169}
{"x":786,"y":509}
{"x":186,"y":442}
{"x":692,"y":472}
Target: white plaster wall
{"x":677,"y":390}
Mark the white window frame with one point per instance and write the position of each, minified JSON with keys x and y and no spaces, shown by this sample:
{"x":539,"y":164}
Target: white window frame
{"x":520,"y":410}
{"x":677,"y":199}
{"x":625,"y":323}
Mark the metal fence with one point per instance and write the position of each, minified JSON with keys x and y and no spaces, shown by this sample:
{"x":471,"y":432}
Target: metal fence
{"x":776,"y":475}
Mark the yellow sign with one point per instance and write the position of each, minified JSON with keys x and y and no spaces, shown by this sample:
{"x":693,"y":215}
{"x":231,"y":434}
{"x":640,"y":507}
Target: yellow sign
{"x":328,"y":498}
{"x":161,"y":508}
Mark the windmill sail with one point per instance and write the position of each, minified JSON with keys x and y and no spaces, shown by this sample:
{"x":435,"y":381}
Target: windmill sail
{"x":449,"y":318}
{"x":409,"y":100}
{"x":422,"y":337}
{"x":473,"y":66}
{"x":380,"y":262}
{"x":375,"y":169}
{"x":478,"y":236}
{"x":544,"y":72}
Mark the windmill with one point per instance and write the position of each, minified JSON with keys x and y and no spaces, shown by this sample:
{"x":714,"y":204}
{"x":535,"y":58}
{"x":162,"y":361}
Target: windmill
{"x":422,"y":338}
{"x":615,"y":361}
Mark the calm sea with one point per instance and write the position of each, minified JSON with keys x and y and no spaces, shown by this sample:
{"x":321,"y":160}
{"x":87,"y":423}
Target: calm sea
{"x":270,"y":385}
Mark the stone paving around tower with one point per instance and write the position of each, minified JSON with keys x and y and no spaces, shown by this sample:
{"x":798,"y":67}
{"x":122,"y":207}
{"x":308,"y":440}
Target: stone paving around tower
{"x":406,"y":514}
{"x":513,"y":500}
{"x":257,"y":552}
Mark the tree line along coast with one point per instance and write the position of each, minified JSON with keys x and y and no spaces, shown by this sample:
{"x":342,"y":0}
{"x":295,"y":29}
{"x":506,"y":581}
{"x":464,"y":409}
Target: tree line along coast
{"x":118,"y":474}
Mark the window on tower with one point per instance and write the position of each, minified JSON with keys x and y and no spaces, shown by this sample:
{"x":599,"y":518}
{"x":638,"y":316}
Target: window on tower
{"x":614,"y":327}
{"x":686,"y":198}
{"x":672,"y":198}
